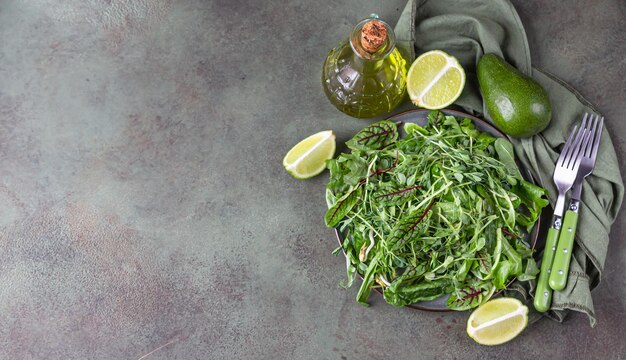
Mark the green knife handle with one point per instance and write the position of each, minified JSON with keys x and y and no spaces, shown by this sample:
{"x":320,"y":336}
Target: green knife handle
{"x":543,"y":293}
{"x":560,"y":266}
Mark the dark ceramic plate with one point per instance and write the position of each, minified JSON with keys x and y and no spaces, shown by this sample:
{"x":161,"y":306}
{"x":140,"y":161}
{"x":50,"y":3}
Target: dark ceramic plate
{"x":420,"y":117}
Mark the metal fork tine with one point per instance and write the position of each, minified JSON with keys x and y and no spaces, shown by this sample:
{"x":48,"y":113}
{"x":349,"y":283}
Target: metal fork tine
{"x":584,"y":119}
{"x":579,"y":148}
{"x":580,"y":154}
{"x":572,"y":152}
{"x":568,"y":146}
{"x":592,"y":131}
{"x":596,"y":141}
{"x":583,"y":124}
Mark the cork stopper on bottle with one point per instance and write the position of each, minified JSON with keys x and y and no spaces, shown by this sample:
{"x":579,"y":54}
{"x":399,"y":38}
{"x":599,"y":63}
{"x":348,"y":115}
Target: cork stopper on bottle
{"x":373,"y":35}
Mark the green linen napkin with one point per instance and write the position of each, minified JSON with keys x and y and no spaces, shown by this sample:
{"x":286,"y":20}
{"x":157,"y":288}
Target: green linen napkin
{"x":467,"y":29}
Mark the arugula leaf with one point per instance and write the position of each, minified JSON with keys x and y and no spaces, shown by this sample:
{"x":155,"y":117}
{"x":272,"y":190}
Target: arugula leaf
{"x":368,"y":281}
{"x":503,"y":272}
{"x":533,"y":199}
{"x":375,"y":136}
{"x":530,"y":272}
{"x":483,"y":141}
{"x":506,"y":155}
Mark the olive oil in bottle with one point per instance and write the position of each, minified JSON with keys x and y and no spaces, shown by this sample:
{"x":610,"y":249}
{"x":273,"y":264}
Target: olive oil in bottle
{"x":366,"y":75}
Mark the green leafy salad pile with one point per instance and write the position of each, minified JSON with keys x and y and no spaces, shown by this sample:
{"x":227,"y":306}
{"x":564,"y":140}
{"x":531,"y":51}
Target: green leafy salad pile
{"x":443,"y":210}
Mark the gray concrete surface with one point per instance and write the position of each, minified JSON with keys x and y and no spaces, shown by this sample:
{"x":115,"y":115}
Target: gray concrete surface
{"x":144,"y":210}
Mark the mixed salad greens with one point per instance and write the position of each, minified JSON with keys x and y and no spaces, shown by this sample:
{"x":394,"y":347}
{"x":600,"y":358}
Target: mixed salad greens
{"x":443,"y":210}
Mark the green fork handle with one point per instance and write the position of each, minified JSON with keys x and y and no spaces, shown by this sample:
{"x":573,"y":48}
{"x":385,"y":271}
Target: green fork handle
{"x":560,"y":266}
{"x":543,"y":293}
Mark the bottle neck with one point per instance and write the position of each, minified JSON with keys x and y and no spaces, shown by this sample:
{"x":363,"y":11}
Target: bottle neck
{"x":368,"y":57}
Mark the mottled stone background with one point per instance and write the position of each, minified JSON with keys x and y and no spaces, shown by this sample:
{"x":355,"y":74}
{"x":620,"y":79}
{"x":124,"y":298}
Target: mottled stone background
{"x":144,"y":207}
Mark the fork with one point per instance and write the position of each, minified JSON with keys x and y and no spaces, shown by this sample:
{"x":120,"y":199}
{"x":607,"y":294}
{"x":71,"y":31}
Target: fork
{"x":562,"y":258}
{"x":564,"y":176}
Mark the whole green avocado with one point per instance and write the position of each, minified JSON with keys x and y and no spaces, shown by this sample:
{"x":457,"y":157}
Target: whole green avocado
{"x":518,"y":105}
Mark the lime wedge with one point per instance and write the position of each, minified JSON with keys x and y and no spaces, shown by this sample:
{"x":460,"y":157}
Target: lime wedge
{"x":435,"y":80}
{"x":497,"y":321}
{"x":308,"y":157}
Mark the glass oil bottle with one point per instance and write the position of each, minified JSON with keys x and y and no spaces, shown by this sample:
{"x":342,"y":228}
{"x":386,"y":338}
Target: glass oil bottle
{"x":366,"y":76}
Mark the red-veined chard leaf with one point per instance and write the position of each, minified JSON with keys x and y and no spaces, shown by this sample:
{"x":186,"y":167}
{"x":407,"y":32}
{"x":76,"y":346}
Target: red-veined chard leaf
{"x":484,"y":262}
{"x":407,"y":227}
{"x":341,"y":208}
{"x":435,"y":118}
{"x":470,"y":296}
{"x":389,"y":196}
{"x":375,"y":136}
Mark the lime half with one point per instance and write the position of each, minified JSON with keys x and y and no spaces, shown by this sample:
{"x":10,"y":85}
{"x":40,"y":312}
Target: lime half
{"x":435,"y":80}
{"x":497,"y":321}
{"x":308,"y":157}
